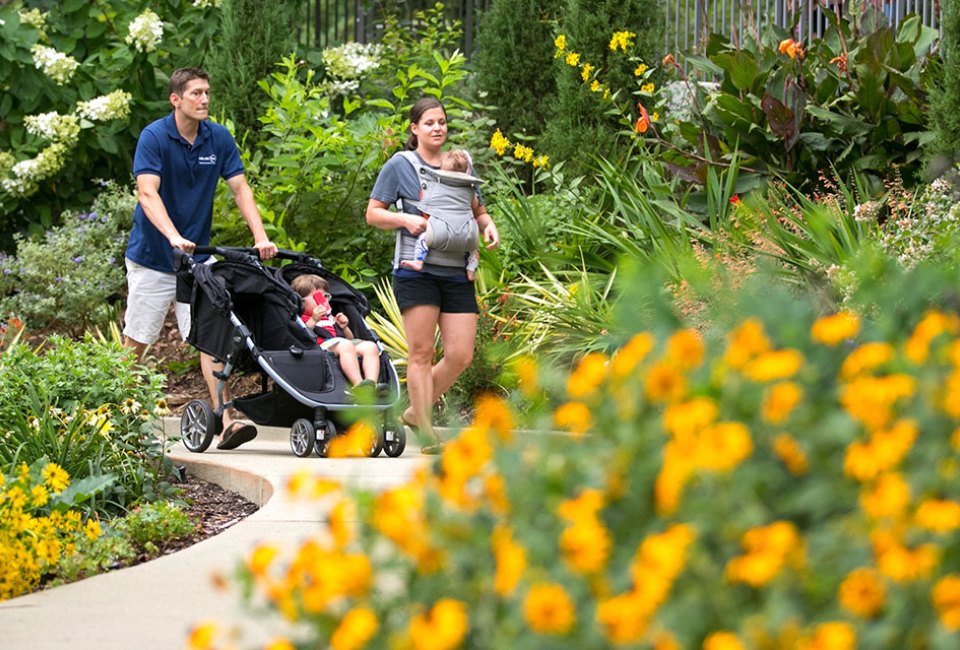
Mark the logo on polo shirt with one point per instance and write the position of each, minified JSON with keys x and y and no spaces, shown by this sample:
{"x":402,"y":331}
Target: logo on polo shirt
{"x":207,"y":160}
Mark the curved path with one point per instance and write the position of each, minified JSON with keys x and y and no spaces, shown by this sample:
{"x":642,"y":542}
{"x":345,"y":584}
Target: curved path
{"x":152,"y":606}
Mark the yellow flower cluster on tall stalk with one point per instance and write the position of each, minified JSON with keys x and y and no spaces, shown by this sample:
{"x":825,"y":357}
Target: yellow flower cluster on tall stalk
{"x":33,"y":535}
{"x":765,"y":485}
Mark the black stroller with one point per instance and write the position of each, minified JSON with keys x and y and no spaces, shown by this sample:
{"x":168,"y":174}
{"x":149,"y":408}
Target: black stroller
{"x":245,"y":314}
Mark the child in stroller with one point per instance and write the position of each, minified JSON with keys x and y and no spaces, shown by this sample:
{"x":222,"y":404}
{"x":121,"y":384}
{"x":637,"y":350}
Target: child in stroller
{"x":248,"y":316}
{"x":359,"y":359}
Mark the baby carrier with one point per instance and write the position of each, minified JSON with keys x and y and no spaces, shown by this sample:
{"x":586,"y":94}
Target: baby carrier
{"x":446,"y":197}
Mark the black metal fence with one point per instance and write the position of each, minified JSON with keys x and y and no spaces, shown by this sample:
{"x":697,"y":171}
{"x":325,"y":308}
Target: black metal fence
{"x":333,"y":22}
{"x":687,"y":22}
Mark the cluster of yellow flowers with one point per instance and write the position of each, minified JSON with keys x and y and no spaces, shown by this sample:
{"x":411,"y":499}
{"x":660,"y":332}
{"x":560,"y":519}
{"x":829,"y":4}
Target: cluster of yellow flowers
{"x":612,"y":531}
{"x":501,"y":144}
{"x":32,"y":539}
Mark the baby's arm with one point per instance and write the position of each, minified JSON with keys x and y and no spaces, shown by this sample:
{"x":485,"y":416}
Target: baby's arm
{"x":344,"y":324}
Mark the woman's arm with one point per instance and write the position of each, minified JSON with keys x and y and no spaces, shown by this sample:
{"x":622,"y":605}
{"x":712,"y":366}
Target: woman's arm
{"x":491,"y":236}
{"x":381,"y":216}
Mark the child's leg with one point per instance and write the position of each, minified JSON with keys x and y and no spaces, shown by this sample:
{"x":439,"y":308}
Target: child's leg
{"x":473,"y":261}
{"x":370,"y":359}
{"x":420,"y":250}
{"x":349,"y":364}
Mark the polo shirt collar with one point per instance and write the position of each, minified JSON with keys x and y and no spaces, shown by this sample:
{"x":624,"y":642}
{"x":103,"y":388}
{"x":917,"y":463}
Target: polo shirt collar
{"x":203,"y":131}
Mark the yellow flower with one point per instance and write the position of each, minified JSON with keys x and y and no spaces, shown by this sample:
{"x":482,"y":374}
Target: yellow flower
{"x":584,"y":506}
{"x":541,"y":161}
{"x":621,"y":619}
{"x":339,"y":522}
{"x":946,"y":600}
{"x":865,"y":358}
{"x":356,"y":628}
{"x":499,"y":143}
{"x":648,"y":87}
{"x":526,"y":369}
{"x":443,"y":627}
{"x":586,"y":71}
{"x":746,"y":342}
{"x":832,"y":636}
{"x":888,"y":497}
{"x":279,"y":644}
{"x":560,"y":42}
{"x":92,"y":529}
{"x":585,"y":545}
{"x":358,"y":438}
{"x":863,"y":593}
{"x":631,"y":355}
{"x":684,"y":419}
{"x":202,"y":636}
{"x":595,"y":86}
{"x":835,"y":329}
{"x":39,"y":496}
{"x":260,"y":560}
{"x":587,"y":376}
{"x":774,"y":365}
{"x":932,"y":325}
{"x":493,"y":413}
{"x":55,"y":477}
{"x":655,"y":116}
{"x":790,"y":454}
{"x":779,"y":402}
{"x":722,"y":640}
{"x":572,"y":59}
{"x":871,"y":399}
{"x":938,"y":515}
{"x":548,"y":609}
{"x":622,"y":41}
{"x":685,"y":348}
{"x":511,"y":561}
{"x":639,"y":70}
{"x":575,"y":417}
{"x":903,"y":564}
{"x":767,"y":549}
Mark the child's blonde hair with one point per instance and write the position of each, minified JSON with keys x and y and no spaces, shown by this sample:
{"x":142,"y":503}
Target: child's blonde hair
{"x":307,"y":283}
{"x":455,"y":160}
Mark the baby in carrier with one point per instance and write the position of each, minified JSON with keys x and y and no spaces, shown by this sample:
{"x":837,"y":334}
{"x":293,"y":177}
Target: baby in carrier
{"x":351,"y":353}
{"x":457,"y":198}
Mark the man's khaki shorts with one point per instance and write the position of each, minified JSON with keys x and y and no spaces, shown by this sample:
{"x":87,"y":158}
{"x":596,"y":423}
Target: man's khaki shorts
{"x":149,"y":296}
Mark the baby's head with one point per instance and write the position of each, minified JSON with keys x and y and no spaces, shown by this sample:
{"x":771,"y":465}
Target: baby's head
{"x":308,"y":283}
{"x":455,"y":160}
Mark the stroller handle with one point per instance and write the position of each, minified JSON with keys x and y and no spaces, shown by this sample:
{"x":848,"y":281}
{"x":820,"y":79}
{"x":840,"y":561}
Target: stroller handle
{"x":227,"y":251}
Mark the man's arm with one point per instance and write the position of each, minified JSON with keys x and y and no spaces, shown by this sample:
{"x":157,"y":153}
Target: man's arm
{"x":243,"y":195}
{"x":148,"y":192}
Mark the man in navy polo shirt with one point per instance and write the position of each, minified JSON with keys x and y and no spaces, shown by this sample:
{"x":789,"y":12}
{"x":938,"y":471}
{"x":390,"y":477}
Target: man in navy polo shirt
{"x":177,"y":164}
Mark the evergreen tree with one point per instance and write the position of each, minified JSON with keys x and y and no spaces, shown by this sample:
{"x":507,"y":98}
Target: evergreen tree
{"x":945,"y":95}
{"x":580,"y":124}
{"x":254,"y":36}
{"x":513,"y":59}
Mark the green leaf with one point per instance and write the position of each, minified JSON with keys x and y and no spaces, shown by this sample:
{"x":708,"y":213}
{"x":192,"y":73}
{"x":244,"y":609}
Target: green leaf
{"x":846,"y":125}
{"x":83,"y":490}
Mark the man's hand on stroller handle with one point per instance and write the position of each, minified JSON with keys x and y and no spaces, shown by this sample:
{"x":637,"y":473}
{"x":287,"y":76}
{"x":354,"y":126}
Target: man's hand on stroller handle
{"x":187,"y":246}
{"x":266,"y":248}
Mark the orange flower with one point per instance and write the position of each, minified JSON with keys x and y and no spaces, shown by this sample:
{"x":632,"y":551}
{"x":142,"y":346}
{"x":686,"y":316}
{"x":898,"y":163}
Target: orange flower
{"x":791,"y":48}
{"x":643,"y":122}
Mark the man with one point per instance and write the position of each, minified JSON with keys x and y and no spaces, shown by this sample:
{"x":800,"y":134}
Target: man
{"x":178,"y":163}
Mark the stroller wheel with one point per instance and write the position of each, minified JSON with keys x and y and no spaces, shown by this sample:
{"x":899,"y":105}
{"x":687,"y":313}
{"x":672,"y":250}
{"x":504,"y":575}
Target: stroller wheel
{"x":303,"y":437}
{"x":376,"y":445}
{"x":198,"y":425}
{"x":394,"y":438}
{"x":324,"y":436}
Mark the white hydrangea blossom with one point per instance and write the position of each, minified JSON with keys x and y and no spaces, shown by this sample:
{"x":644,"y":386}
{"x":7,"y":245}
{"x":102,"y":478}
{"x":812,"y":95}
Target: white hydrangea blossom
{"x":146,"y":30}
{"x":34,"y":18}
{"x":206,"y":4}
{"x":56,"y":65}
{"x":352,"y":60}
{"x":54,"y":127}
{"x":114,"y":106}
{"x":6,"y":162}
{"x":27,"y":173}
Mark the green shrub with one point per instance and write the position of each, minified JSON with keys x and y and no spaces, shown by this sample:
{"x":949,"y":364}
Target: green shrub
{"x":153,"y":526}
{"x":87,"y":78}
{"x":89,"y":407}
{"x":945,"y":93}
{"x":253,"y":36}
{"x":513,"y":60}
{"x":72,"y":277}
{"x":580,"y":123}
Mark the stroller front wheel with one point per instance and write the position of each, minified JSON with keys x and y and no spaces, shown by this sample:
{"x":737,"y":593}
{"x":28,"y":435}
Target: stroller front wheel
{"x":324,"y":436}
{"x":198,"y":425}
{"x":394,"y":438}
{"x":303,"y":436}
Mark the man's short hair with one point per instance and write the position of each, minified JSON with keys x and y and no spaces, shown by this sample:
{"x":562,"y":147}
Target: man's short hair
{"x":180,"y":78}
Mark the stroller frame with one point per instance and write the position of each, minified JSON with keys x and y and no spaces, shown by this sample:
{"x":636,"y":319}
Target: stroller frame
{"x":310,"y":406}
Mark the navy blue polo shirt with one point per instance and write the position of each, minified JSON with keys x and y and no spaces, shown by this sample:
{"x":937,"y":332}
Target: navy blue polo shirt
{"x":188,"y":180}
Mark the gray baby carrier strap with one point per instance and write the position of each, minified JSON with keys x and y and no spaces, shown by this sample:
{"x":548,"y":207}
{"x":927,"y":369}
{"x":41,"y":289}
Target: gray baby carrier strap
{"x":447,"y":197}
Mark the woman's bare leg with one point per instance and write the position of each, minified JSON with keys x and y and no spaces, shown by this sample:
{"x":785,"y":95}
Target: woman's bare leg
{"x":459,"y":335}
{"x":420,"y":325}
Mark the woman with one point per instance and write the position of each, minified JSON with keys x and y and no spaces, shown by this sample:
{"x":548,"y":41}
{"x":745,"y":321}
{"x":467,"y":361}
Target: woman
{"x":439,"y":295}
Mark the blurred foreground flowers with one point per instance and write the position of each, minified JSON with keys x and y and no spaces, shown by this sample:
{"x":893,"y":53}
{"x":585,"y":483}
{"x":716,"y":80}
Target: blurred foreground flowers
{"x":778,"y":483}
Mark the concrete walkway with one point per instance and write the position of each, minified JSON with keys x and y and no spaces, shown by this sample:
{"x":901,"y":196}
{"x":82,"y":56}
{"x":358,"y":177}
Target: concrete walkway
{"x":152,"y":606}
